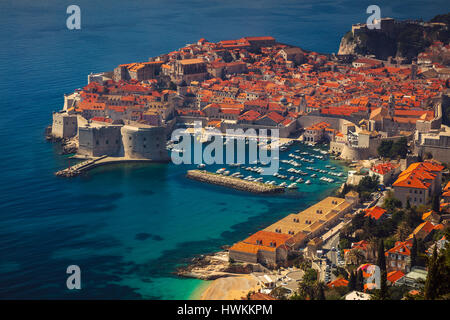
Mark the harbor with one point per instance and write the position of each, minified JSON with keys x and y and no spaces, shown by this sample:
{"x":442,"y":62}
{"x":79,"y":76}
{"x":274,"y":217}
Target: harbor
{"x":233,"y":182}
{"x":300,"y":165}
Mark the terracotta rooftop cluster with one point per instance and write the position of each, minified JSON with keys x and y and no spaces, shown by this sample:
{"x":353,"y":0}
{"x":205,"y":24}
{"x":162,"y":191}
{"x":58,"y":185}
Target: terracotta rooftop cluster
{"x":272,"y":84}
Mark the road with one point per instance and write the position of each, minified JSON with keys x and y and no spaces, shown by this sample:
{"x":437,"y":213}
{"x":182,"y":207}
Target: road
{"x":321,"y":266}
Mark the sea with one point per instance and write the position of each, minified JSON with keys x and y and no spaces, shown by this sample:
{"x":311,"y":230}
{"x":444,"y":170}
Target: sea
{"x":128,"y":227}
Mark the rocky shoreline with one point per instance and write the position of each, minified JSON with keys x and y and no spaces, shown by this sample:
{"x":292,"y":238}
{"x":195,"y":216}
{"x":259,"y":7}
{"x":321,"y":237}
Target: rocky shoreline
{"x":215,"y":265}
{"x":232,"y":182}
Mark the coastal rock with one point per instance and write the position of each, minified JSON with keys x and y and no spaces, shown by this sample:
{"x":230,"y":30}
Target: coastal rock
{"x":214,"y":266}
{"x":405,"y":39}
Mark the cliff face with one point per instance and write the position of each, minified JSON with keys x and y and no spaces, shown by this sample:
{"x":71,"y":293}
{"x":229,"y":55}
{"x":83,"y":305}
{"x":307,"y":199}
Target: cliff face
{"x":369,"y":43}
{"x":399,"y":38}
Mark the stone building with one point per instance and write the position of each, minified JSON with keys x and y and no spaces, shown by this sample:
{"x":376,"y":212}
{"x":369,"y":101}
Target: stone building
{"x":144,"y":142}
{"x":96,"y":140}
{"x":398,"y":257}
{"x":418,"y":183}
{"x":267,"y":248}
{"x":295,"y":55}
{"x":64,"y":125}
{"x":311,"y":222}
{"x":435,"y":142}
{"x":190,"y":70}
{"x":132,"y":141}
{"x":138,"y":71}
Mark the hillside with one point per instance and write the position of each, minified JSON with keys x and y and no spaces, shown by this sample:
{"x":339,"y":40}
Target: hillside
{"x":400,"y":38}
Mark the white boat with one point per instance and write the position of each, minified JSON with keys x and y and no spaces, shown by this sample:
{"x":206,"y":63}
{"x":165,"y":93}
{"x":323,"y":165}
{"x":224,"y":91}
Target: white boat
{"x":308,"y":182}
{"x":292,"y":186}
{"x":201,"y":166}
{"x":283,"y":184}
{"x":220,"y":171}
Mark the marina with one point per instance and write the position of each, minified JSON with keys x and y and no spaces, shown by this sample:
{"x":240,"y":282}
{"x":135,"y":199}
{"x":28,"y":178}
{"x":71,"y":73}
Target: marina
{"x":310,"y":164}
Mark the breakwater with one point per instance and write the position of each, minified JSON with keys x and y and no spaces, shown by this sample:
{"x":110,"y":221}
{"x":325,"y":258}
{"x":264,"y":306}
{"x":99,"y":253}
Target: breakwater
{"x":232,"y":182}
{"x":86,"y":165}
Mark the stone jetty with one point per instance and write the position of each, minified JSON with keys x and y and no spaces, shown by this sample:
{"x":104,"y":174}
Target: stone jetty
{"x":232,"y":182}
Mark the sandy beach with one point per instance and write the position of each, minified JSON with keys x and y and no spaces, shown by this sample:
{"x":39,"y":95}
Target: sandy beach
{"x":230,"y":288}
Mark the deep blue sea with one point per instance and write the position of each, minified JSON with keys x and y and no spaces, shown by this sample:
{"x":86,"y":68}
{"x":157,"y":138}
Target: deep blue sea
{"x":129,"y":226}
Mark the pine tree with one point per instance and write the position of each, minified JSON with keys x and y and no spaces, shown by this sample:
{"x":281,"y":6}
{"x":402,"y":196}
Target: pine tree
{"x":359,"y":281}
{"x":381,"y":259}
{"x":352,"y":282}
{"x":408,"y":204}
{"x":436,"y":206}
{"x":432,"y":281}
{"x":381,"y":263}
{"x":383,"y":286}
{"x":320,"y":295}
{"x":413,"y":259}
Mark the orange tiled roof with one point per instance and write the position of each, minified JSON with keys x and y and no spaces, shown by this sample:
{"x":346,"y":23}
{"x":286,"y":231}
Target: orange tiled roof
{"x":319,"y":126}
{"x":261,"y":240}
{"x":383,"y":168}
{"x":426,"y":227}
{"x":340,"y":282}
{"x":403,"y":248}
{"x":375,"y":212}
{"x":393,"y":276}
{"x":418,"y":175}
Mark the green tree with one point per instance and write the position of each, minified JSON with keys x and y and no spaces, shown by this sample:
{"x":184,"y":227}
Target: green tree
{"x":435,"y":204}
{"x":432,"y":281}
{"x":359,"y":281}
{"x":381,"y":262}
{"x":352,"y":281}
{"x":384,"y":150}
{"x":381,"y":258}
{"x":413,"y":257}
{"x":390,"y":203}
{"x":320,"y":291}
{"x":403,"y":231}
{"x":400,"y":148}
{"x":310,"y":275}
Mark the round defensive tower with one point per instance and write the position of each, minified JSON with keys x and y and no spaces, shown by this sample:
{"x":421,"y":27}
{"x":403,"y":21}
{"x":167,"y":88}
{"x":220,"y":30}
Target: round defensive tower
{"x":144,"y":142}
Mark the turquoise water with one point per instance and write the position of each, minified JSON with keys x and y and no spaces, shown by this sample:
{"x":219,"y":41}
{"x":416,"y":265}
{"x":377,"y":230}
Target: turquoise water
{"x":129,"y":226}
